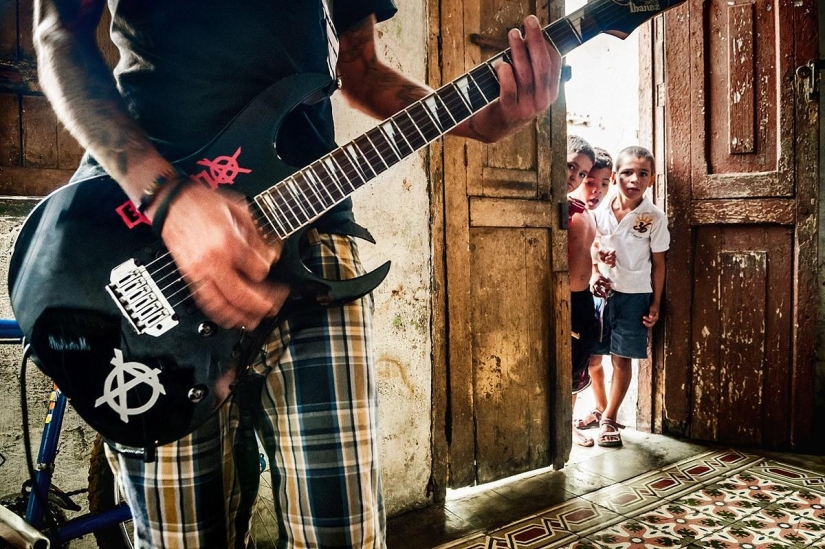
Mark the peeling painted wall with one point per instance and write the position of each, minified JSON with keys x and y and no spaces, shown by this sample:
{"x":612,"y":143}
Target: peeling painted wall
{"x":396,"y":209}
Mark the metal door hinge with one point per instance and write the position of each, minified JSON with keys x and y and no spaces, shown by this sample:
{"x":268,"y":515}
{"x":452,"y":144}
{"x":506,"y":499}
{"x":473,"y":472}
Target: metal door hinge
{"x":808,"y":78}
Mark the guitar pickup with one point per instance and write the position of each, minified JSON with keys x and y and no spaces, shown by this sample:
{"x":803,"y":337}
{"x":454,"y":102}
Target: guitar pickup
{"x":140,"y":299}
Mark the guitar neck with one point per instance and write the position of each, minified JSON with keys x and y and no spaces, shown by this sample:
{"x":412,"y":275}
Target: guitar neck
{"x":308,"y":193}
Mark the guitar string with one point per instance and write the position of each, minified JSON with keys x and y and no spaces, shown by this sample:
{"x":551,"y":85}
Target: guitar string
{"x":404,"y":124}
{"x":382,"y":149}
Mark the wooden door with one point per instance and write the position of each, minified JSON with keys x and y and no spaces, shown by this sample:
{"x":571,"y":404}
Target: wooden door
{"x":37,"y":154}
{"x":503,"y":311}
{"x":740,"y":150}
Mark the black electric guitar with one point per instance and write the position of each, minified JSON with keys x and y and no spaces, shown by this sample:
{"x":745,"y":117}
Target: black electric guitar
{"x":103,"y":306}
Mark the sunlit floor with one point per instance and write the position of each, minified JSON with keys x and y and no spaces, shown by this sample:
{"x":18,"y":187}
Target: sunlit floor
{"x":654,"y":492}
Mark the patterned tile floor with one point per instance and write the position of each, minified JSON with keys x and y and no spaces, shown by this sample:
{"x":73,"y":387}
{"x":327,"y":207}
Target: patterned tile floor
{"x":717,"y":498}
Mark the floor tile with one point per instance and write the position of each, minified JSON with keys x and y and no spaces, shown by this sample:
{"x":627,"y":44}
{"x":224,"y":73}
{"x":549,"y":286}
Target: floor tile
{"x":633,"y":534}
{"x":649,"y":490}
{"x":805,"y":504}
{"x":750,"y":486}
{"x":710,"y":497}
{"x":682,"y":522}
{"x":718,"y":504}
{"x":785,"y":526}
{"x":578,"y":516}
{"x":741,"y":536}
{"x":781,"y":472}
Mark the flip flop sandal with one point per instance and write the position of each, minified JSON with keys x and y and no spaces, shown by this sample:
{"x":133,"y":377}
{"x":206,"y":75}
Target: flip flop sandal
{"x":579,"y":423}
{"x":609,"y":435}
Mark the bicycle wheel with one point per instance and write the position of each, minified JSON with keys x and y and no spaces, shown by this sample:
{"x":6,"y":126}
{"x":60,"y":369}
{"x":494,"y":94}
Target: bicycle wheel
{"x":263,"y":532}
{"x":104,"y":493}
{"x":53,"y":518}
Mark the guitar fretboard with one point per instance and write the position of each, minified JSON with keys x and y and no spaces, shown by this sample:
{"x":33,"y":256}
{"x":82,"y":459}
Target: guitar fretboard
{"x":313,"y":190}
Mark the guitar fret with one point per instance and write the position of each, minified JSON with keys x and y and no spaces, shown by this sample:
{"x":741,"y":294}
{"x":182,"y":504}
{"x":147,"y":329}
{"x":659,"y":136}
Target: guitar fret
{"x":338,"y":167}
{"x":444,"y":107}
{"x":303,"y":199}
{"x":352,"y":156}
{"x":426,"y":124}
{"x":464,"y":92}
{"x":323,"y":177}
{"x":318,"y":185}
{"x":376,"y":137}
{"x":334,"y":179}
{"x":336,"y":193}
{"x":320,"y":199}
{"x":480,"y":91}
{"x":401,"y":133}
{"x":452,"y":100}
{"x":292,"y":221}
{"x":483,"y":81}
{"x":431,"y":106}
{"x":568,"y":35}
{"x":296,"y":194}
{"x":388,"y":138}
{"x":363,"y":156}
{"x":377,"y":152}
{"x":294,"y":200}
{"x":416,"y":145}
{"x":271,"y":210}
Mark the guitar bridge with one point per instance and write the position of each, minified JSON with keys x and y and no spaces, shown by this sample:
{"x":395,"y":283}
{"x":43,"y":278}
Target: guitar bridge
{"x":140,"y":300}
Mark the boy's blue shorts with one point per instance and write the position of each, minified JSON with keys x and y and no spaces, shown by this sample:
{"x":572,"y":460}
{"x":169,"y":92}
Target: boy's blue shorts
{"x":623,"y":333}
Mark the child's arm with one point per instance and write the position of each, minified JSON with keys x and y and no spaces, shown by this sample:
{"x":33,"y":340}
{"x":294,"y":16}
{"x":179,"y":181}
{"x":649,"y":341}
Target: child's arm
{"x":657,"y":275}
{"x":599,"y":284}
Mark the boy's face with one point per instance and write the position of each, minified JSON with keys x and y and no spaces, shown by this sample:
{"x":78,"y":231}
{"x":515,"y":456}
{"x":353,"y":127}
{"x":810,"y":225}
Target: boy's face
{"x":633,"y":176}
{"x":596,"y":184}
{"x":578,"y":165}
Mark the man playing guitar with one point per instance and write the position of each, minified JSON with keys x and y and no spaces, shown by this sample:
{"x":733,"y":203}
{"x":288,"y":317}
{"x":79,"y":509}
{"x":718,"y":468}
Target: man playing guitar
{"x":186,"y":68}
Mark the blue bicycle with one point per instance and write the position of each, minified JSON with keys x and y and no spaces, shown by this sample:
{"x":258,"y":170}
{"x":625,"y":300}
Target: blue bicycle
{"x":35,"y":517}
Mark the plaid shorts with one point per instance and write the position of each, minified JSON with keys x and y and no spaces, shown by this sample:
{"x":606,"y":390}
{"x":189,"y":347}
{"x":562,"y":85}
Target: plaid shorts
{"x":311,"y":398}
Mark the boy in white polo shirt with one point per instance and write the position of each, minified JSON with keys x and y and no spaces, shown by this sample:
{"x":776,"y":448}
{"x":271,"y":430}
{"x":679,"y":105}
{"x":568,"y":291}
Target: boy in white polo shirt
{"x":633,"y":238}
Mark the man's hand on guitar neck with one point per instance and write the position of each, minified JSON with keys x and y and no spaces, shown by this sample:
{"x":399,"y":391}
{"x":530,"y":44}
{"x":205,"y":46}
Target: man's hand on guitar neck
{"x":223,"y":257}
{"x":528,"y":87}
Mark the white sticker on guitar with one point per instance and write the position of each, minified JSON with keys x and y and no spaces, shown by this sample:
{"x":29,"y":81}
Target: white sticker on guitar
{"x":117,"y":386}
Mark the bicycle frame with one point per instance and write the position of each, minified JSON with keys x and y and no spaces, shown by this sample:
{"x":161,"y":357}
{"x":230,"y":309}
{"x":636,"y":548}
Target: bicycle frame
{"x":29,"y":534}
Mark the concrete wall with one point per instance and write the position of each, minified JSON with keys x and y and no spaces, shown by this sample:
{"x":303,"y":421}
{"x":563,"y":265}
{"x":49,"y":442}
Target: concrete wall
{"x":396,"y":210}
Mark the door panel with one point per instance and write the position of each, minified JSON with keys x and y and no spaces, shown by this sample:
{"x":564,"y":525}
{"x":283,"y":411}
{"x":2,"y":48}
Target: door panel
{"x":506,"y":311}
{"x":741,"y":155}
{"x":509,"y":349}
{"x":37,"y":154}
{"x":741,"y":329}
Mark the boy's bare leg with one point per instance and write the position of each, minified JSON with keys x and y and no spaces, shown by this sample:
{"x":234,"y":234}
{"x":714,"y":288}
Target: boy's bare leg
{"x":598,"y":386}
{"x":608,"y":427}
{"x":596,"y":372}
{"x":622,"y":373}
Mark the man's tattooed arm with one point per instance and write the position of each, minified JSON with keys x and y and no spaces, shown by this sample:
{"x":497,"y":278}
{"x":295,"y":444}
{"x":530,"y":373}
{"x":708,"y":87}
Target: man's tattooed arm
{"x":527,"y":87}
{"x":369,"y":84}
{"x":82,"y":91}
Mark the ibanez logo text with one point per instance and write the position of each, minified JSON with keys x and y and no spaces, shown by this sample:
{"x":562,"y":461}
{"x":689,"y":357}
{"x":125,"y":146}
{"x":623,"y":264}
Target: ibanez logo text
{"x":642,"y":7}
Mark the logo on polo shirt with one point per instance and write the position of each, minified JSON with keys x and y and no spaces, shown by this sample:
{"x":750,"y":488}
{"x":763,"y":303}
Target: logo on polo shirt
{"x":643,"y":223}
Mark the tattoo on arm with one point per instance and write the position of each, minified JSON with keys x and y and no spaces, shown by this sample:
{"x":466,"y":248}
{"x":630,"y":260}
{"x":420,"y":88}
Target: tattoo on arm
{"x":79,"y":85}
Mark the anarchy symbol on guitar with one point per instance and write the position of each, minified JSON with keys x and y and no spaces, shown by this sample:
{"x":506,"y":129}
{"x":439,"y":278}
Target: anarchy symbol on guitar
{"x":137,"y":359}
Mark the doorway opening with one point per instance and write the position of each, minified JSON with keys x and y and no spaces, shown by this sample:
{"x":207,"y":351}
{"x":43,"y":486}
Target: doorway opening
{"x":602,"y":98}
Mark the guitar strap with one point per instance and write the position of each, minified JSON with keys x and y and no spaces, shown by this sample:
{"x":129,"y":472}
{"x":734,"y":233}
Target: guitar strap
{"x":332,"y":39}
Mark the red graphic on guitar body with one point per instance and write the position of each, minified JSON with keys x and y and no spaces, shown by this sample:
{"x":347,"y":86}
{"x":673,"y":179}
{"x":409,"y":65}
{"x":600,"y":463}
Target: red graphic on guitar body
{"x":221,"y":171}
{"x":130,"y":215}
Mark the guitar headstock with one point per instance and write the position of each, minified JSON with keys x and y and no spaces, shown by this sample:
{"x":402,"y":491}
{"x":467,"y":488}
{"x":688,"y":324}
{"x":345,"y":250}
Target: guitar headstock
{"x":621,"y":17}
